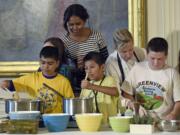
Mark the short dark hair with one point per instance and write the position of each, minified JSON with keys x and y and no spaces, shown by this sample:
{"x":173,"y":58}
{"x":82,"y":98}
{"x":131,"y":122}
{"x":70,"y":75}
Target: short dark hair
{"x":95,"y":56}
{"x":74,"y":10}
{"x":58,"y":43}
{"x":157,"y":44}
{"x":49,"y":52}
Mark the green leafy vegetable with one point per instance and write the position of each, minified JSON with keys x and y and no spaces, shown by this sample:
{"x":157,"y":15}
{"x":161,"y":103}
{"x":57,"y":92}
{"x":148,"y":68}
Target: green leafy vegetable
{"x":146,"y":119}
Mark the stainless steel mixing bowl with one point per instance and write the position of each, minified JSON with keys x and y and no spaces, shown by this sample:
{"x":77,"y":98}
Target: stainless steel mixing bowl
{"x":12,"y":105}
{"x":169,"y":125}
{"x":77,"y":105}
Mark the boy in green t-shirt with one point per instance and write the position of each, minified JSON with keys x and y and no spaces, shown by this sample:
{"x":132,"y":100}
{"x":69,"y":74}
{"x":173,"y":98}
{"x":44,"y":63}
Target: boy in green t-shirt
{"x":102,"y":88}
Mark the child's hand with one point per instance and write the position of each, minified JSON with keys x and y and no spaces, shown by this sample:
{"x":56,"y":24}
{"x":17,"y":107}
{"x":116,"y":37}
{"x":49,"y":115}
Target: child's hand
{"x":4,"y":84}
{"x":85,"y":84}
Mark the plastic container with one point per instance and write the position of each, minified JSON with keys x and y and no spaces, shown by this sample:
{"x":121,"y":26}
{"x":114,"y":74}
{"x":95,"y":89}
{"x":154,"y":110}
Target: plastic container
{"x":141,"y":129}
{"x":23,"y":127}
{"x":3,"y":125}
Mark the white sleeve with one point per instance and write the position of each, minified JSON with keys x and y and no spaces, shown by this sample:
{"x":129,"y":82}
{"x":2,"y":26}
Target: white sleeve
{"x":141,"y":53}
{"x":176,"y":86}
{"x":111,"y":69}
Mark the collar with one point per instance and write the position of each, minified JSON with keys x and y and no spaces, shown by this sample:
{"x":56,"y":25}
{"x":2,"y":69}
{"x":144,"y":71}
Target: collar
{"x":49,"y":77}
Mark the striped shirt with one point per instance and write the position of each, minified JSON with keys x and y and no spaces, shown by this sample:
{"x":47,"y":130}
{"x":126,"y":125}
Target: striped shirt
{"x":77,"y":50}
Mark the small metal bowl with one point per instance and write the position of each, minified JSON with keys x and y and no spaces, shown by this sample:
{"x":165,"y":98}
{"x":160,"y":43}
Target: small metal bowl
{"x":169,"y":125}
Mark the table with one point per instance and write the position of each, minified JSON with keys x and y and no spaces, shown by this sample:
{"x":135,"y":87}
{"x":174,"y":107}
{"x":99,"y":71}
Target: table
{"x":107,"y":131}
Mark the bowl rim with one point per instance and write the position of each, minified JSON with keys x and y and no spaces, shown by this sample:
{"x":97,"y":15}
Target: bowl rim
{"x":55,"y":114}
{"x":170,"y":121}
{"x":88,"y":114}
{"x":120,"y":117}
{"x":78,"y":98}
{"x":25,"y":112}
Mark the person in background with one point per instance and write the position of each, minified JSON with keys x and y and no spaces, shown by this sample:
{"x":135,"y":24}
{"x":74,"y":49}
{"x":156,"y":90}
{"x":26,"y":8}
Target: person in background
{"x":154,"y":84}
{"x":79,"y":39}
{"x":47,"y":84}
{"x":66,"y":67}
{"x":102,"y":88}
{"x":120,"y":62}
{"x":124,"y":57}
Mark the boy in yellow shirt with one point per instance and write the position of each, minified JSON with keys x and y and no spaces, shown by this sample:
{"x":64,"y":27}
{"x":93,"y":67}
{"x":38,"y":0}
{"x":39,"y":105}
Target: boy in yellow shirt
{"x":47,"y":84}
{"x":102,"y":88}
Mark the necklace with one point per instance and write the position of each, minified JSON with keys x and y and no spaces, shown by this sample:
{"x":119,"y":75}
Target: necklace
{"x":95,"y":95}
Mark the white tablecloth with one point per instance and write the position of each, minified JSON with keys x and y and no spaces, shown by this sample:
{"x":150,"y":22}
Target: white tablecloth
{"x":107,"y":131}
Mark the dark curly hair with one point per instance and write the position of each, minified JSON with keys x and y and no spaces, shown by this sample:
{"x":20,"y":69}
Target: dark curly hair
{"x":74,"y":10}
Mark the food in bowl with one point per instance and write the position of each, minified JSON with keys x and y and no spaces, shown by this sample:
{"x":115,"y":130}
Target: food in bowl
{"x":3,"y":125}
{"x":24,"y":115}
{"x":120,"y":123}
{"x":56,"y":122}
{"x":89,"y":122}
{"x":22,"y":127}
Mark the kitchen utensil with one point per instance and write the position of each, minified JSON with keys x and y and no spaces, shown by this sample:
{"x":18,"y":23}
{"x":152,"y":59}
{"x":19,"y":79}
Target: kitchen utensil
{"x":12,"y":105}
{"x":169,"y":125}
{"x":16,"y":96}
{"x":136,"y":107}
{"x":86,"y":76}
{"x":49,"y":87}
{"x":7,"y":90}
{"x":77,"y":105}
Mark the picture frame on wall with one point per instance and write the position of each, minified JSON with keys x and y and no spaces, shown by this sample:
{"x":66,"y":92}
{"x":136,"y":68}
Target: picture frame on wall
{"x":26,"y":24}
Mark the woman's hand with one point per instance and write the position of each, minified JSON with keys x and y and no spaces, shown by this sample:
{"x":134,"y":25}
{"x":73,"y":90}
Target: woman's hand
{"x":170,"y":116}
{"x":174,"y":114}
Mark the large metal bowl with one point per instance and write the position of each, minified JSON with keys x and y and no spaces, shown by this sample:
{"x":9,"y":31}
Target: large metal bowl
{"x":169,"y":125}
{"x":12,"y":105}
{"x":74,"y":106}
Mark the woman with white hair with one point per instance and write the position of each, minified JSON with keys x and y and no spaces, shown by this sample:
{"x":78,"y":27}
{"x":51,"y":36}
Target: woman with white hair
{"x":125,"y":55}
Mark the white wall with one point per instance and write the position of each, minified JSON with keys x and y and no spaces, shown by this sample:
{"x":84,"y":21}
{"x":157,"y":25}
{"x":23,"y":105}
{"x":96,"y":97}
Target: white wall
{"x":163,"y":19}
